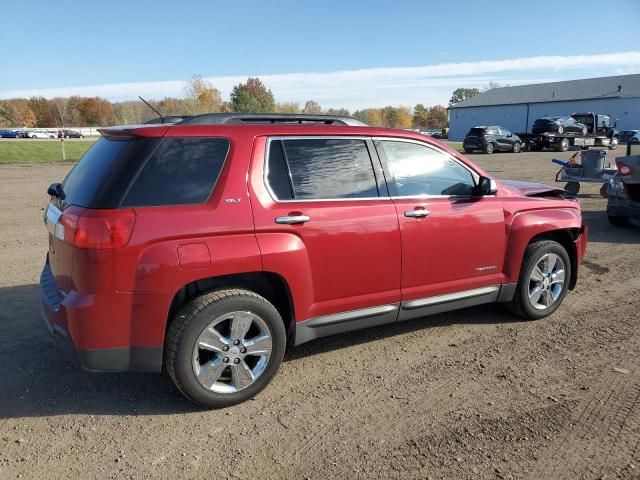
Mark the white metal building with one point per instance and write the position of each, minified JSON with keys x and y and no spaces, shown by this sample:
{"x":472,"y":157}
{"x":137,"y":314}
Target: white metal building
{"x":516,"y":108}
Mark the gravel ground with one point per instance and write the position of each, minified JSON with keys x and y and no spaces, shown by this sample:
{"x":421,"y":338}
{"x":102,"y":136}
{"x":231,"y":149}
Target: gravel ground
{"x":470,"y":394}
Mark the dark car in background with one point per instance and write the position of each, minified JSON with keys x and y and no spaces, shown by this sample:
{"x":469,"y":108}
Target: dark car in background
{"x":69,"y":134}
{"x":630,"y":136}
{"x":558,"y":124}
{"x":491,"y":139}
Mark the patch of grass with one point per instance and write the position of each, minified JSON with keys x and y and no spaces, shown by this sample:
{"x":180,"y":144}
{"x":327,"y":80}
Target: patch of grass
{"x":41,"y":151}
{"x":455,"y":145}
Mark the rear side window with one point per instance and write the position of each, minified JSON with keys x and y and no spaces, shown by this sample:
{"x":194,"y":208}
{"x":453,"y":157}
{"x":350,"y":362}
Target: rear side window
{"x":180,"y":171}
{"x":320,"y":169}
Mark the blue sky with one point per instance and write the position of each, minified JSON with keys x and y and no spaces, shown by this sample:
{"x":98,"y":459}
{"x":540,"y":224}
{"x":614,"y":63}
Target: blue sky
{"x":340,"y":53}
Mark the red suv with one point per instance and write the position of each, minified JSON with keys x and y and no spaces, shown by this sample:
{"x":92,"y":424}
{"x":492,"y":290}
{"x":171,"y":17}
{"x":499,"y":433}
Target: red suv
{"x":208,"y":246}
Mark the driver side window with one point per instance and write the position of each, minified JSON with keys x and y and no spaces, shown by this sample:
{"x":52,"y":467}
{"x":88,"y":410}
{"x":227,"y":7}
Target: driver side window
{"x":422,"y":170}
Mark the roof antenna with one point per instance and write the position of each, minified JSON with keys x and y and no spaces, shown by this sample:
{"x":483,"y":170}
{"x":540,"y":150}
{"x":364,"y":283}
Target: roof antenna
{"x":149,"y":105}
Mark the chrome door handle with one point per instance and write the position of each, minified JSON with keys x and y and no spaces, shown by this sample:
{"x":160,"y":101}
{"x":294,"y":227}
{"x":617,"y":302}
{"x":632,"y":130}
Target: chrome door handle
{"x":292,"y":219}
{"x":417,"y":213}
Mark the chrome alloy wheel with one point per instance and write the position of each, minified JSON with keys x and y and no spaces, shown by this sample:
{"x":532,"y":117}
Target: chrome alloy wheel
{"x":546,"y":281}
{"x":232,"y":352}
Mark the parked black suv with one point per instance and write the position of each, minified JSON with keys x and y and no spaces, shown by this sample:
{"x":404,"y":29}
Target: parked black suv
{"x":491,"y":139}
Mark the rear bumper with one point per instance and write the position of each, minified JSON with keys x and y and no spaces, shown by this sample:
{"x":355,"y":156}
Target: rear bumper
{"x":59,"y":310}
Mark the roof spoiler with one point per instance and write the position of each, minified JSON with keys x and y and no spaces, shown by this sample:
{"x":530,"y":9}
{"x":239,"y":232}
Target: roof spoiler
{"x":133,"y":131}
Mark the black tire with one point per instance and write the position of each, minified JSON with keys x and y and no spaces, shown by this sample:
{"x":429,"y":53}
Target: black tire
{"x":572,"y":187}
{"x":563,"y":145}
{"x":468,"y":150}
{"x":604,"y":190}
{"x":489,"y":148}
{"x":520,"y":304}
{"x":517,"y":148}
{"x":190,"y":322}
{"x":617,"y":221}
{"x":634,"y":140}
{"x":614,"y":143}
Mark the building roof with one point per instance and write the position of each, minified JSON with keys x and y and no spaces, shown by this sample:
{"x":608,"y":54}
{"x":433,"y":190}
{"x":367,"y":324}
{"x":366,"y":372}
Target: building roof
{"x":620,"y":86}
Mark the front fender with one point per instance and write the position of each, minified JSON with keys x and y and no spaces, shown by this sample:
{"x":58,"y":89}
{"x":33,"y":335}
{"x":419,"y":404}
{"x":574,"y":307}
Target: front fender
{"x":526,"y":225}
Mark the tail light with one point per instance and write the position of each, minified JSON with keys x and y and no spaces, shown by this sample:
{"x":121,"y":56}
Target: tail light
{"x":625,"y":170}
{"x":98,"y":229}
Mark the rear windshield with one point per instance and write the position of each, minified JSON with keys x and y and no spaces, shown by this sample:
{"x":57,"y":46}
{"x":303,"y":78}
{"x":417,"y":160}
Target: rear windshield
{"x":476,"y":131}
{"x":145,"y":172}
{"x":86,"y":178}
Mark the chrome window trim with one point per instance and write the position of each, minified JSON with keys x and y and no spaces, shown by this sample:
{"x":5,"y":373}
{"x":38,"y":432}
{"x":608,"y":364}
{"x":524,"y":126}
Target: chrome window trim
{"x":449,"y":297}
{"x":313,"y":137}
{"x":475,"y":175}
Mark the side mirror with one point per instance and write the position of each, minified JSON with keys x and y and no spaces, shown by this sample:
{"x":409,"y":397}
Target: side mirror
{"x":486,"y":186}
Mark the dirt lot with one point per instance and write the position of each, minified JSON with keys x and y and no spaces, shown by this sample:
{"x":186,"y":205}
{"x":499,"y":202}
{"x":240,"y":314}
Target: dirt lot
{"x":469,"y":394}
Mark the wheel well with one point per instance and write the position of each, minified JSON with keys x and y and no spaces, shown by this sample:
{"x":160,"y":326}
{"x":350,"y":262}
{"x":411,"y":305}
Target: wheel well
{"x":566,"y":238}
{"x":266,"y":284}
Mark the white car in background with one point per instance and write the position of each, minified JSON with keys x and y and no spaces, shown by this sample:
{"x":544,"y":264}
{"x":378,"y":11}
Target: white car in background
{"x":42,"y":134}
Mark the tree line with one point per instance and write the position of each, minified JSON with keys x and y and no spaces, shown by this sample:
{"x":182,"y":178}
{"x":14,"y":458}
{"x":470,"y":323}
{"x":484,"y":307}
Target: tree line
{"x":200,"y":96}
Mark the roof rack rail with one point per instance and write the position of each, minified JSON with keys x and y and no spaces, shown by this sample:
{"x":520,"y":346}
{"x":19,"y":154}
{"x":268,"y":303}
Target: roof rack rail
{"x":251,"y":118}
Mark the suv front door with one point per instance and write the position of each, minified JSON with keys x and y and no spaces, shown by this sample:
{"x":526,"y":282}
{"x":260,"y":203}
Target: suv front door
{"x":322,"y":202}
{"x":453,"y":244}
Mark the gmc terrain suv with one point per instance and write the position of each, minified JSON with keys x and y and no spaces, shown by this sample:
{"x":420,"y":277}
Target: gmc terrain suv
{"x":208,"y":246}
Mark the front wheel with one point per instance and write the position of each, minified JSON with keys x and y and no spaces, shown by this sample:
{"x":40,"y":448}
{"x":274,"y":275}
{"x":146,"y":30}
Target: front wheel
{"x":489,"y":148}
{"x":517,"y":147}
{"x":224,"y":347}
{"x":544,"y":280}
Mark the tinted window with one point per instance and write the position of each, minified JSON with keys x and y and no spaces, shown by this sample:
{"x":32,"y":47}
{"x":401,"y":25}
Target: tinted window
{"x":476,"y":132}
{"x":86,"y":178}
{"x":421,"y":170}
{"x":181,"y":171}
{"x":324,"y":169}
{"x":278,"y":172}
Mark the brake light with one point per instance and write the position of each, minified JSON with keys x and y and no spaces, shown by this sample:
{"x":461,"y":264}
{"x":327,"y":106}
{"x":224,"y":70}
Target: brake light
{"x":99,"y":229}
{"x":625,"y":170}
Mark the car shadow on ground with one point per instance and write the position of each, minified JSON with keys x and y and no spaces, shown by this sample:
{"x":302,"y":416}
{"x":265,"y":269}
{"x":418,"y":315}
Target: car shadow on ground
{"x":38,"y":380}
{"x":600,"y":230}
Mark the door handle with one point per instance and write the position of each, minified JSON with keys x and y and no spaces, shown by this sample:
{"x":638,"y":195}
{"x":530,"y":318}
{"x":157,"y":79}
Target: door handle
{"x":420,"y":213}
{"x":292,"y":219}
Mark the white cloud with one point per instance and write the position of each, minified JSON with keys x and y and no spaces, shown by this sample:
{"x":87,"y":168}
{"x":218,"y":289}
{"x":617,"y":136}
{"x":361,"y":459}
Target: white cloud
{"x":353,"y":89}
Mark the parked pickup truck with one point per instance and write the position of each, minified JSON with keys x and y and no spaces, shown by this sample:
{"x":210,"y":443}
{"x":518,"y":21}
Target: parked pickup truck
{"x":209,"y":246}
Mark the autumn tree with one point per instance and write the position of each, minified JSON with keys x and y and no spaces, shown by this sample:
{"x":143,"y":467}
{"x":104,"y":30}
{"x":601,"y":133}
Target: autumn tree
{"x":288,"y":107}
{"x":462,"y":94}
{"x":252,"y":96}
{"x":420,"y":116}
{"x":312,"y":107}
{"x":342,"y":112}
{"x":202,"y":96}
{"x":44,"y":112}
{"x":438,"y":117}
{"x":97,"y":112}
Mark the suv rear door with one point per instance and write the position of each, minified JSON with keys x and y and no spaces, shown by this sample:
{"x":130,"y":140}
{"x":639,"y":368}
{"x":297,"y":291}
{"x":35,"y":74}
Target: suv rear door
{"x":452,"y":243}
{"x":323,"y":201}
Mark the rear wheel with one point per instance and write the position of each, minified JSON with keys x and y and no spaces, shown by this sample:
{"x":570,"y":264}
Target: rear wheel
{"x":517,"y":147}
{"x":468,"y":150}
{"x":563,"y":145}
{"x":544,"y":280}
{"x":489,"y":148}
{"x":604,"y":190}
{"x":224,"y":347}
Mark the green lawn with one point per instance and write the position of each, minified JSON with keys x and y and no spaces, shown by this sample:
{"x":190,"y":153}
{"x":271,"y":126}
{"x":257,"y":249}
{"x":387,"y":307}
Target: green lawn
{"x":41,"y":151}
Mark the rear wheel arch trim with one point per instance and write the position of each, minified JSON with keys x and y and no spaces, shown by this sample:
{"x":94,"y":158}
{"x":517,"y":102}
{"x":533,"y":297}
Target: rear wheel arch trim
{"x":259,"y":282}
